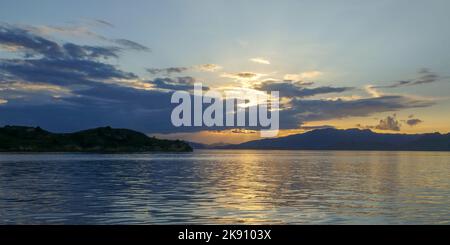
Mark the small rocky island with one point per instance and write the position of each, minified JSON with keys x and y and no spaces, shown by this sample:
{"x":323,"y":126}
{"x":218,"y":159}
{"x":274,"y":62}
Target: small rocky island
{"x":100,"y":140}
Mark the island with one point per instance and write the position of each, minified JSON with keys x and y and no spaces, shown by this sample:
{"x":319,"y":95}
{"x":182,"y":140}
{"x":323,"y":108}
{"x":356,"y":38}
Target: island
{"x":97,"y":140}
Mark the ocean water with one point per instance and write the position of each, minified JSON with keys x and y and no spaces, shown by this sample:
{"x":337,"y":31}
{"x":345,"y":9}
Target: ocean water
{"x":226,"y":187}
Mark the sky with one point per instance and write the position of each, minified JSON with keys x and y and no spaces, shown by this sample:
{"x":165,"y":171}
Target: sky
{"x":73,"y":65}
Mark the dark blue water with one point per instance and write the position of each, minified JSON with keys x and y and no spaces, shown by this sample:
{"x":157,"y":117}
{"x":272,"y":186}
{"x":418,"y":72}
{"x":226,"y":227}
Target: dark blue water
{"x":223,"y":187}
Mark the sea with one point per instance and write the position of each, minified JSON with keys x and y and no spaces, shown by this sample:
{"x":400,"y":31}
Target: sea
{"x":226,"y":187}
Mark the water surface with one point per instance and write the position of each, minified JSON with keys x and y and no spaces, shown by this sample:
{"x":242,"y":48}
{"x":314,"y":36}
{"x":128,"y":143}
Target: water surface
{"x":226,"y":186}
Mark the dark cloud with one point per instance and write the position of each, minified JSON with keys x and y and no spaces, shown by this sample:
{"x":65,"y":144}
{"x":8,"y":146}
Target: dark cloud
{"x":89,"y":52}
{"x":131,"y":45}
{"x":290,"y":89}
{"x":103,"y":22}
{"x":31,"y":45}
{"x":209,"y":67}
{"x":413,"y":122}
{"x":99,"y":104}
{"x":104,"y":104}
{"x":167,"y":71}
{"x":70,"y":87}
{"x":317,"y":110}
{"x":299,"y":82}
{"x":173,"y":70}
{"x":243,"y":75}
{"x":301,"y":111}
{"x":246,"y":74}
{"x":61,"y":71}
{"x":112,"y":96}
{"x":322,"y":90}
{"x":22,"y":39}
{"x":179,"y":83}
{"x":424,"y":76}
{"x":389,"y":123}
{"x":70,"y":117}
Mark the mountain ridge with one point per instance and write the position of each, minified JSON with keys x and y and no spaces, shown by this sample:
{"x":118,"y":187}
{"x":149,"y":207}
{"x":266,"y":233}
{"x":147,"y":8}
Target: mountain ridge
{"x":350,"y":139}
{"x":100,"y":140}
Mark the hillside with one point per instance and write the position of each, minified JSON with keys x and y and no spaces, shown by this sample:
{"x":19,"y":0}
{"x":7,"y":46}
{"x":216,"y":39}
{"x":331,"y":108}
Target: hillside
{"x":351,"y":139}
{"x":105,"y":139}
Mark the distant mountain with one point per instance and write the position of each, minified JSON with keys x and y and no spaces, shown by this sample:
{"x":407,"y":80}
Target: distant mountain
{"x":351,"y":139}
{"x":105,"y":139}
{"x":196,"y":145}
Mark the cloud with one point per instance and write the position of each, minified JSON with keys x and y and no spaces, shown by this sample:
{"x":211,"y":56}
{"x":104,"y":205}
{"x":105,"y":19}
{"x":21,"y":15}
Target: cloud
{"x":86,"y":52}
{"x":33,"y":45}
{"x":243,"y":131}
{"x":23,"y":40}
{"x":244,"y":76}
{"x":167,"y":71}
{"x":131,"y":45}
{"x":320,"y":110}
{"x":83,"y":31}
{"x":103,"y":22}
{"x":372,"y":91}
{"x":294,"y":89}
{"x":305,"y":92}
{"x":389,"y":123}
{"x":69,"y":72}
{"x":209,"y":67}
{"x":47,"y":30}
{"x":260,"y":61}
{"x":303,"y":76}
{"x":424,"y":76}
{"x":179,"y":83}
{"x":413,"y":122}
{"x":23,"y":94}
{"x":67,"y":87}
{"x":173,"y":70}
{"x":28,"y":86}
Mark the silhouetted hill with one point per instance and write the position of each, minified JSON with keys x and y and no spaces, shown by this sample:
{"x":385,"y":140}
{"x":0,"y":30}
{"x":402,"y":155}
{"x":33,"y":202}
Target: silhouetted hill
{"x":105,"y":139}
{"x":351,"y":139}
{"x":196,"y":145}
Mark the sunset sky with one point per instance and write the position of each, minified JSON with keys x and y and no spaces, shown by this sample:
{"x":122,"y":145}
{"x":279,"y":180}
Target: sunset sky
{"x":380,"y":65}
